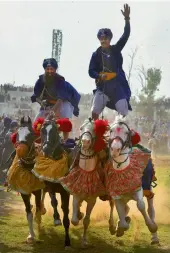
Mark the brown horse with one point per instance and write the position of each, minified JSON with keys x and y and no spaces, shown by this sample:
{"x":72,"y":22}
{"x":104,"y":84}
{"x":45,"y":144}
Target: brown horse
{"x":20,"y":177}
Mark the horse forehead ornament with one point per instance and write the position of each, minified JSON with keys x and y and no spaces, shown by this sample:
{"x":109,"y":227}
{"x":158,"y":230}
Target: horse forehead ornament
{"x":120,"y":127}
{"x":63,"y":125}
{"x":24,"y":130}
{"x":94,"y":131}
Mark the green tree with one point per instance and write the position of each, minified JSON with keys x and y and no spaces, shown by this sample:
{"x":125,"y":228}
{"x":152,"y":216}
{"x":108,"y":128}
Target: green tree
{"x":150,"y":80}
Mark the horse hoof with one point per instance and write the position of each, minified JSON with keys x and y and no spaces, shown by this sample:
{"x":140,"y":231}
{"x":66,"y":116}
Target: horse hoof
{"x":84,"y":244}
{"x":67,"y":248}
{"x":155,"y":242}
{"x":120,"y":232}
{"x":57,"y":222}
{"x":75,"y":222}
{"x":112,"y":230}
{"x":30,"y":239}
{"x":80,"y":215}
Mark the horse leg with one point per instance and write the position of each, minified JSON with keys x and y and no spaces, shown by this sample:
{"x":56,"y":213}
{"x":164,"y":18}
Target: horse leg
{"x":80,"y":214}
{"x":26,"y":199}
{"x":127,"y":209}
{"x":138,"y":196}
{"x":37,"y":195}
{"x":76,"y":210}
{"x":43,"y":209}
{"x":123,"y":224}
{"x":54,"y":203}
{"x":151,"y":212}
{"x":65,"y":197}
{"x":90,"y":205}
{"x":112,"y":227}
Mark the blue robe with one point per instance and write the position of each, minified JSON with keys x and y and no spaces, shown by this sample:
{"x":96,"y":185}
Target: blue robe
{"x":62,"y":90}
{"x":119,"y":83}
{"x":147,"y":176}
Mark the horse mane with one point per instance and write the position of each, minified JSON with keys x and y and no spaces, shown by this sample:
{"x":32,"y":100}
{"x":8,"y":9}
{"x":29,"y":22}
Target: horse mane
{"x":88,"y":124}
{"x":97,"y":129}
{"x":119,"y":119}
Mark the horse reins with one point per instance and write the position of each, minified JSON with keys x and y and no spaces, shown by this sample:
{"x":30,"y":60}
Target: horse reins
{"x":125,"y":144}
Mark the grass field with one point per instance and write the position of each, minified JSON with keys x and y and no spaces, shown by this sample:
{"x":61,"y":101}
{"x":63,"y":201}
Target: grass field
{"x":14,"y":229}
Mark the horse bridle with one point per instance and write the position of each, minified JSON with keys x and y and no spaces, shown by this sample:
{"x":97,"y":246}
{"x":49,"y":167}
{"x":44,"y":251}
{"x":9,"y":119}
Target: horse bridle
{"x":125,"y":144}
{"x":93,"y":140}
{"x":56,"y":143}
{"x":29,"y":160}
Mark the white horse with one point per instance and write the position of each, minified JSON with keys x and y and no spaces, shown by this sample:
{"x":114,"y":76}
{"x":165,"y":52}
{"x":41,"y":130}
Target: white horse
{"x":85,"y":179}
{"x":124,"y":176}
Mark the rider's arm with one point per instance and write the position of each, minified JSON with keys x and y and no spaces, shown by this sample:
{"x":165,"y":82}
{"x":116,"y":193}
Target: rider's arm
{"x":37,"y":92}
{"x":123,"y":40}
{"x":66,"y":91}
{"x":93,"y":67}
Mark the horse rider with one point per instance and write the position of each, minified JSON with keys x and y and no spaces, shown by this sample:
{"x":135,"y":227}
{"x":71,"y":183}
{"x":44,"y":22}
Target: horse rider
{"x":55,"y":94}
{"x":112,"y":89}
{"x":6,"y":126}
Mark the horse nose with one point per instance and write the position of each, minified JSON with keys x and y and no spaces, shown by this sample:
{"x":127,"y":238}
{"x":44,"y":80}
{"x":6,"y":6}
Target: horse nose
{"x":46,"y":150}
{"x":22,"y":150}
{"x":86,"y":141}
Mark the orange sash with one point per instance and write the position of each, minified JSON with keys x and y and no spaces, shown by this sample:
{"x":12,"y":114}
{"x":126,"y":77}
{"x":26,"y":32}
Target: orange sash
{"x":52,"y":101}
{"x":109,"y":75}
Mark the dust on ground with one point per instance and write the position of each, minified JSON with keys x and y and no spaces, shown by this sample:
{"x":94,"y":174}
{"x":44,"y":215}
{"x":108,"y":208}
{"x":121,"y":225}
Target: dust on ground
{"x":100,"y":213}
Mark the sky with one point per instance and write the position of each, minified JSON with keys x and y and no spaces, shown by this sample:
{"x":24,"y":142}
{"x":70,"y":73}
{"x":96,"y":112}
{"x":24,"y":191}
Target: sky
{"x":26,"y":38}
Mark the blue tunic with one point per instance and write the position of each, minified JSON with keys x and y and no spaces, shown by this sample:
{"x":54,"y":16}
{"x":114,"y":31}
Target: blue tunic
{"x":118,"y":87}
{"x":147,"y":176}
{"x":61,"y":90}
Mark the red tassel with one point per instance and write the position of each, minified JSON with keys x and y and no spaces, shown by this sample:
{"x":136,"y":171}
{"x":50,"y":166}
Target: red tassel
{"x":135,"y":138}
{"x":65,"y":125}
{"x":37,"y":126}
{"x":100,"y":127}
{"x":14,"y":138}
{"x":99,"y":145}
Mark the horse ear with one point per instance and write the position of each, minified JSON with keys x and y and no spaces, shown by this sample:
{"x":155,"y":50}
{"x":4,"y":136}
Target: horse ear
{"x":29,"y":120}
{"x":22,"y":121}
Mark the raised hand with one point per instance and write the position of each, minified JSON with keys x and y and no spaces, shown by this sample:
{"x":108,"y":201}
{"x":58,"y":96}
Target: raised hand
{"x":126,"y":11}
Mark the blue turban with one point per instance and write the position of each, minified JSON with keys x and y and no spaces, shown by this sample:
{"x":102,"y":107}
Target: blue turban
{"x":14,"y":123}
{"x":7,"y":122}
{"x":105,"y":32}
{"x":51,"y":62}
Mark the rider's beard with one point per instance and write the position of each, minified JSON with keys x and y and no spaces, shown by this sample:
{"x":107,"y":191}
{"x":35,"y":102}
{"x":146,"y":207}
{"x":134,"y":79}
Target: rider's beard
{"x":49,"y":79}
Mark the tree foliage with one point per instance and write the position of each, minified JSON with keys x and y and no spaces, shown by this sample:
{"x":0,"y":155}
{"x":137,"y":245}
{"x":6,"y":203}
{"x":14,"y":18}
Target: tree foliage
{"x":150,"y":80}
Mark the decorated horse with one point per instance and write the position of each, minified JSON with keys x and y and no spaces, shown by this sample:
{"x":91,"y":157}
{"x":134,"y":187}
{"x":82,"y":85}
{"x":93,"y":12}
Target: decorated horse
{"x":68,"y":145}
{"x":52,"y":162}
{"x":124,"y":172}
{"x":85,"y":179}
{"x":20,"y":177}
